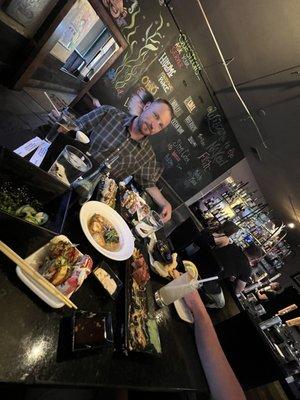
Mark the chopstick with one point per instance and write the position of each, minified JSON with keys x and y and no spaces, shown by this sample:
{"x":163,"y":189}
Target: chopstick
{"x":48,"y":97}
{"x":36,"y":276}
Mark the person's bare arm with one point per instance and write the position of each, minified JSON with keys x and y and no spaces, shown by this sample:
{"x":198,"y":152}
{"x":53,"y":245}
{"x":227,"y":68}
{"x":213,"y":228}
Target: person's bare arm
{"x":261,"y":296}
{"x":166,"y":208}
{"x":221,"y":241}
{"x":221,"y":379}
{"x":240,"y":286}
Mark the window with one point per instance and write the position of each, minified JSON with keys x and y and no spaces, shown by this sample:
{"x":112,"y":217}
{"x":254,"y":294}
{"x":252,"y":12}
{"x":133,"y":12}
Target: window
{"x":85,"y":43}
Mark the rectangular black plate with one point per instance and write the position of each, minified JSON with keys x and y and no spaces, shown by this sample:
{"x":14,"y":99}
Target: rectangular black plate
{"x":149,"y":300}
{"x":108,"y":329}
{"x":119,"y":283}
{"x":53,"y":194}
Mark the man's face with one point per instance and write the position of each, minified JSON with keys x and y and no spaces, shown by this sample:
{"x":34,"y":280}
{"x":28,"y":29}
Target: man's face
{"x":154,"y":118}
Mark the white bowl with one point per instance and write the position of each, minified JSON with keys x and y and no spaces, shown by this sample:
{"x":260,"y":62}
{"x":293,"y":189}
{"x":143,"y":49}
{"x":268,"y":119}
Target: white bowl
{"x":126,"y":238}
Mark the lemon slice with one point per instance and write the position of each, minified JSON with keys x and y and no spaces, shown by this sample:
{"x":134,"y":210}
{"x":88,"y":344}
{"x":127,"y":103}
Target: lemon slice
{"x":190,"y":268}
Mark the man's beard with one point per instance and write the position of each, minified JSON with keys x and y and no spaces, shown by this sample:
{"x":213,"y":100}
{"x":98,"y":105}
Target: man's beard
{"x":139,"y":126}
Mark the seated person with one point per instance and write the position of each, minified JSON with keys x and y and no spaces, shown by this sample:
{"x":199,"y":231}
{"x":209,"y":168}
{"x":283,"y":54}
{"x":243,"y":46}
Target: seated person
{"x":282,"y":299}
{"x":268,"y":292}
{"x":228,"y":261}
{"x":221,"y":235}
{"x":237,"y":263}
{"x":211,"y":238}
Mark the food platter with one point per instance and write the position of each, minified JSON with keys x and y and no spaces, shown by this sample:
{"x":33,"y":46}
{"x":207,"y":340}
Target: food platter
{"x":126,"y":240}
{"x":141,"y":330}
{"x":36,"y":260}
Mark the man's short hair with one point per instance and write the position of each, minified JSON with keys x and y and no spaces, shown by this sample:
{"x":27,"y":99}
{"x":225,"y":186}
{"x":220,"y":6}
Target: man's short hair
{"x":253,"y":251}
{"x":163,"y":101}
{"x":229,"y":228}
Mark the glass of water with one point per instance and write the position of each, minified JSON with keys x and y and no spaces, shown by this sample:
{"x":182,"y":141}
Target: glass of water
{"x":149,"y":224}
{"x":64,"y":120}
{"x":175,"y":290}
{"x":70,"y":165}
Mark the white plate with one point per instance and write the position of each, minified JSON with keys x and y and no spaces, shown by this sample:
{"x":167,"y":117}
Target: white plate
{"x":183,"y":311}
{"x":126,"y":238}
{"x":34,"y":261}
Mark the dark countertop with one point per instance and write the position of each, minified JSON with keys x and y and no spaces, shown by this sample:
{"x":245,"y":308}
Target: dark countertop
{"x":282,"y":367}
{"x":30,"y":330}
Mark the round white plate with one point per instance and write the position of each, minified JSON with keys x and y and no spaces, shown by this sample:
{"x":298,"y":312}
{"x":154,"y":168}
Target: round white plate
{"x":126,"y":238}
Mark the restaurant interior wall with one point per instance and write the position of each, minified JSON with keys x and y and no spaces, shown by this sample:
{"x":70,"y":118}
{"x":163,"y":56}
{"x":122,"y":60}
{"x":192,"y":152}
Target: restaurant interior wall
{"x":49,"y":36}
{"x":239,"y":172}
{"x":262,"y":40}
{"x":191,"y":150}
{"x":13,"y":46}
{"x":22,"y":26}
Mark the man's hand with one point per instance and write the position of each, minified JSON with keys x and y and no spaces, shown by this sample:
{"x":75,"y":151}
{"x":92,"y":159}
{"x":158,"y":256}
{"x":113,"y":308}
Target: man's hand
{"x":166,"y":212}
{"x":166,"y":208}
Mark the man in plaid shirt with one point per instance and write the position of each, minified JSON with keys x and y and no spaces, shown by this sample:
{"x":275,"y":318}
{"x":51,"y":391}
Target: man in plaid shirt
{"x":113,"y":132}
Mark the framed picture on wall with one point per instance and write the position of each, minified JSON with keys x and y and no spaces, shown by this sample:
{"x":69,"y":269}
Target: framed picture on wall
{"x":77,"y":24}
{"x":296,"y":278}
{"x":29,"y":15}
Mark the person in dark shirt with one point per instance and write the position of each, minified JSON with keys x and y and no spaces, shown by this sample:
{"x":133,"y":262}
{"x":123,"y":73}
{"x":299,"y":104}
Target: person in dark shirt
{"x":280,"y":300}
{"x":227,"y":261}
{"x":217,"y":237}
{"x":268,"y":292}
{"x":237,"y":263}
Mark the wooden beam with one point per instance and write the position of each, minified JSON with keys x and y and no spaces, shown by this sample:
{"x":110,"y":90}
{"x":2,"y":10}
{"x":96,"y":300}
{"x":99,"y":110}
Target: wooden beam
{"x":51,"y":37}
{"x":110,"y":23}
{"x":97,"y":76}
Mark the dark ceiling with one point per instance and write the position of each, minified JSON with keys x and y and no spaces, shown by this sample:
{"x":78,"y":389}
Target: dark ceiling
{"x":263,"y":38}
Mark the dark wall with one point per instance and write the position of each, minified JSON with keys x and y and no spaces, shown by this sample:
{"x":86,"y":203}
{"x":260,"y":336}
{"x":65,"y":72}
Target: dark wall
{"x":16,"y":50}
{"x":198,"y":146}
{"x":13,"y":47}
{"x":263,"y":38}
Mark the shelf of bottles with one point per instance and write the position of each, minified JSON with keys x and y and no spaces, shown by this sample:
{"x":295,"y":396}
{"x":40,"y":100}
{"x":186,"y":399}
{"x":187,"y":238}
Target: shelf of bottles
{"x":232,"y":201}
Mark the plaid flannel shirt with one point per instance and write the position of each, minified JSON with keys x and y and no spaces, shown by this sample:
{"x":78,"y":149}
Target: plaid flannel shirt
{"x":109,"y":135}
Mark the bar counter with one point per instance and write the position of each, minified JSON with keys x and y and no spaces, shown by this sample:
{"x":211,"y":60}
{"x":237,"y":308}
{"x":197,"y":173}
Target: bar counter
{"x":32,"y":343}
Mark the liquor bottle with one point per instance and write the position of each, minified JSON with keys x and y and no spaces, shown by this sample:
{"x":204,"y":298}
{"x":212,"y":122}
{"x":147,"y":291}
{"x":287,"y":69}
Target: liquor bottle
{"x":209,"y":203}
{"x":85,"y":187}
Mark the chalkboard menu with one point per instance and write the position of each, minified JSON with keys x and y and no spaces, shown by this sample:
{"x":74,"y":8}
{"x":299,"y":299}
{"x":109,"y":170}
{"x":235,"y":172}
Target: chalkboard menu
{"x":198,"y":146}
